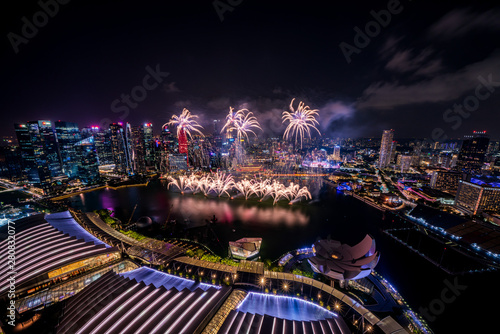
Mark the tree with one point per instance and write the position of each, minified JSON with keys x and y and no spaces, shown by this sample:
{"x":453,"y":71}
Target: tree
{"x":199,"y":253}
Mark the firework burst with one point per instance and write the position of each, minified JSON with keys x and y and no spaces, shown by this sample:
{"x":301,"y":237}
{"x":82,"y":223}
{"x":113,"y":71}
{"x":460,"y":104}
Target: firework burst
{"x":243,"y":124}
{"x":222,"y":184}
{"x":231,"y":118}
{"x":300,"y":122}
{"x":185,"y":122}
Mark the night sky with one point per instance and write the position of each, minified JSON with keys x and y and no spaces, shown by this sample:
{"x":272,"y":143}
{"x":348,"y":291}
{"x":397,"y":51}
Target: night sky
{"x":408,"y":76}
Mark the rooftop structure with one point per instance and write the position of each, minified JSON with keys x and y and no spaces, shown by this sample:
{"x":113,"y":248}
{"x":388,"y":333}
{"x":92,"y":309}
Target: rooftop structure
{"x":260,"y":313}
{"x":143,"y":301}
{"x":51,"y":251}
{"x":343,"y":262}
{"x":245,"y":248}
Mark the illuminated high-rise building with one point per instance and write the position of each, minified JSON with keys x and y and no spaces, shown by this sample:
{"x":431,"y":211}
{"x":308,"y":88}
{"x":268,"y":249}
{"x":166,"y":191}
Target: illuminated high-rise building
{"x":386,"y":149}
{"x":87,"y":161}
{"x":35,"y":164}
{"x":102,"y":143}
{"x":404,"y":162}
{"x":476,"y":196}
{"x":138,"y":149}
{"x":68,"y":135}
{"x":149,"y":143}
{"x":336,"y":153}
{"x":45,"y":136}
{"x":446,"y":181}
{"x":119,"y":148}
{"x":472,"y":154}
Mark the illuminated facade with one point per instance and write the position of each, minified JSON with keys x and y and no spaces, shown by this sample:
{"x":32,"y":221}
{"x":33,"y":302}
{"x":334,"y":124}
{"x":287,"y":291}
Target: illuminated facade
{"x":477,"y":196}
{"x":177,"y":162}
{"x":86,"y":161}
{"x":404,"y":162}
{"x":52,"y":250}
{"x":386,"y":148}
{"x":35,"y":163}
{"x":445,"y":181}
{"x":245,"y":248}
{"x":68,"y":135}
{"x":472,"y":154}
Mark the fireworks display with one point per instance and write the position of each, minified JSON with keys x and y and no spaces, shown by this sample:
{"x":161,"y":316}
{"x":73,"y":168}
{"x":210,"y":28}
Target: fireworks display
{"x":242,"y":121}
{"x":185,"y":122}
{"x":231,"y":118}
{"x":300,"y":122}
{"x":222,"y":184}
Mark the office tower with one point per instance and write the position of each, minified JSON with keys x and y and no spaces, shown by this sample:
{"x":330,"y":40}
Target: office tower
{"x":446,"y":181}
{"x":404,"y":161}
{"x":102,"y":143}
{"x":121,"y":147}
{"x":138,"y":149}
{"x":68,"y":135}
{"x":149,"y":143}
{"x":25,"y":146}
{"x":336,"y":153}
{"x":217,"y":136}
{"x":472,"y":154}
{"x":35,"y":165}
{"x":50,"y":145}
{"x":386,"y":148}
{"x":177,"y":162}
{"x":476,"y":196}
{"x":87,"y":166}
{"x":129,"y":149}
{"x":493,"y":147}
{"x":11,"y":163}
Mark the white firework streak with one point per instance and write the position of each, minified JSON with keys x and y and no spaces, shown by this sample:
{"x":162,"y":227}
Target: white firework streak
{"x":243,"y":124}
{"x":182,"y":184}
{"x":185,"y":121}
{"x":204,"y":184}
{"x":301,"y":121}
{"x":231,"y":117}
{"x":245,"y":187}
{"x":222,"y":184}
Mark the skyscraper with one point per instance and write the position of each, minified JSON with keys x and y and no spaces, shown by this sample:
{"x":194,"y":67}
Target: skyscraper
{"x":35,"y":165}
{"x":473,"y":152}
{"x":46,"y":137}
{"x":102,"y":143}
{"x":149,"y":143}
{"x":68,"y":135}
{"x":386,"y":148}
{"x":138,"y":149}
{"x":121,"y":147}
{"x":86,"y":161}
{"x":336,"y":153}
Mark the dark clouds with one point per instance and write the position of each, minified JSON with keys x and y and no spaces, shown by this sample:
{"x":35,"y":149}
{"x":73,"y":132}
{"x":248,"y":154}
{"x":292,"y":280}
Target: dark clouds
{"x":260,"y":57}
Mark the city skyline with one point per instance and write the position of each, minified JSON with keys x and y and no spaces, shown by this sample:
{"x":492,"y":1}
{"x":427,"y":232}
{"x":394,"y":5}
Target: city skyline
{"x":410,"y":76}
{"x":231,"y":166}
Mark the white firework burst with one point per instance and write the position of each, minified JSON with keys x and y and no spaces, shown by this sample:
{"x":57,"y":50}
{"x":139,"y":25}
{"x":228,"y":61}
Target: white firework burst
{"x":185,"y":122}
{"x":301,"y":121}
